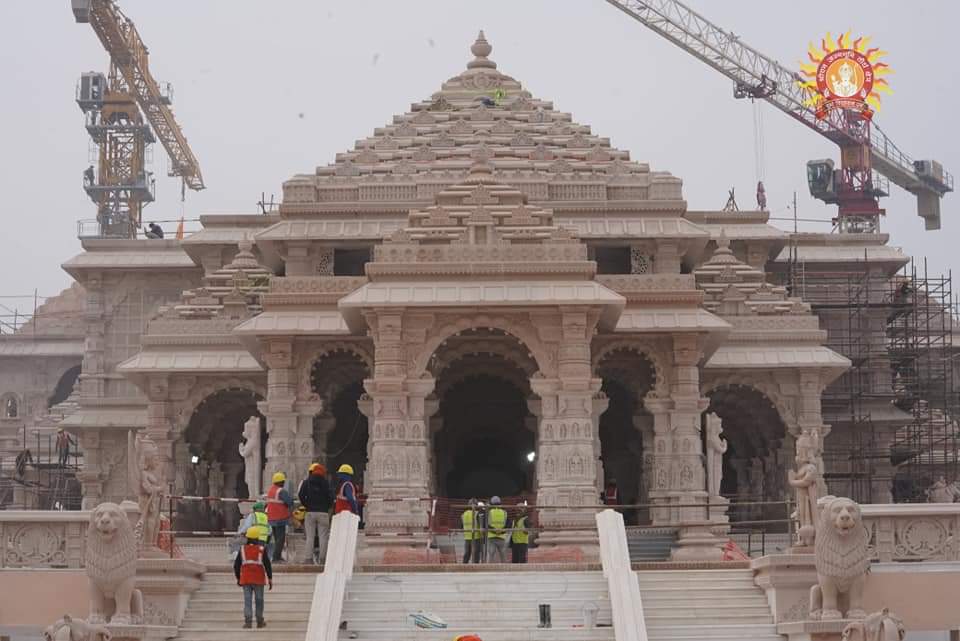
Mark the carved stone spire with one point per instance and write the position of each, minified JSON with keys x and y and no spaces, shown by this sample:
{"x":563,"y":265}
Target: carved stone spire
{"x":481,"y":49}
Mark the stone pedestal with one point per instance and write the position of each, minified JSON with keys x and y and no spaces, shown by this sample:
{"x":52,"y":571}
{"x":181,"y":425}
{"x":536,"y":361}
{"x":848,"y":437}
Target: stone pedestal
{"x":697,"y":542}
{"x":813,"y":630}
{"x":166,"y":585}
{"x":786,"y":579}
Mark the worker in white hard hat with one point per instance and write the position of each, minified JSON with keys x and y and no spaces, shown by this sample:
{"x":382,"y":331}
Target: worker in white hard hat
{"x":497,"y":532}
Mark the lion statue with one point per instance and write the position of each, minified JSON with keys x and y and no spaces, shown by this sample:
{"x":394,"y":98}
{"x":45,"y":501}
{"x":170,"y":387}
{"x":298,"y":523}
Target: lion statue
{"x":70,"y":629}
{"x":879,"y":626}
{"x":111,"y":561}
{"x":842,"y":561}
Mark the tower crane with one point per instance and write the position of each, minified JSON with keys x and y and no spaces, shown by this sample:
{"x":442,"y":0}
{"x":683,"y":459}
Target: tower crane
{"x":867,"y":155}
{"x":126,"y":111}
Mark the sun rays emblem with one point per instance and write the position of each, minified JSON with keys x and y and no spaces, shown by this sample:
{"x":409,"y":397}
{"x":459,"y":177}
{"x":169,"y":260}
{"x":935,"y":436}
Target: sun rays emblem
{"x":844,"y":74}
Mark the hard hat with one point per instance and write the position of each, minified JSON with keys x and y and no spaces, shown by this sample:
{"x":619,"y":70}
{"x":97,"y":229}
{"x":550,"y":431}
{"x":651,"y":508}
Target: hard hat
{"x":255,"y":531}
{"x":312,"y":467}
{"x":494,"y":500}
{"x":259,"y":506}
{"x":279,"y":477}
{"x":346,"y":468}
{"x":318,"y":469}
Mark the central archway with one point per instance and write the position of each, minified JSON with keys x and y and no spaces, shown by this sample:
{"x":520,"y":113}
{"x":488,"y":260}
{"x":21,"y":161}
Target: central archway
{"x":484,"y":441}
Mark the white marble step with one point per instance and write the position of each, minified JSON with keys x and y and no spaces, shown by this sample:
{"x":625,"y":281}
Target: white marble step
{"x":487,"y":634}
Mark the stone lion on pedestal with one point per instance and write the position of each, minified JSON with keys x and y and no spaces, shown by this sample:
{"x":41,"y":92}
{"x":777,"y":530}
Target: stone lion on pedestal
{"x":842,"y":561}
{"x":111,"y":562}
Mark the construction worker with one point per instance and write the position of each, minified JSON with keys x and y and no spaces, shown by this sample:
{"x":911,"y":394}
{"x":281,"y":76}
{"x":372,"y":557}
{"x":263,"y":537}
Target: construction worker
{"x":253,"y":570}
{"x":472,"y":534}
{"x":258,"y":516}
{"x":346,"y":500}
{"x":63,"y":443}
{"x":519,"y":536}
{"x":315,"y":496}
{"x":611,"y":495}
{"x":279,"y":509}
{"x":497,"y":531}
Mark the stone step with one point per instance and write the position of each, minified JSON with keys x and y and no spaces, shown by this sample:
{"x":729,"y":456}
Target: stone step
{"x":714,"y":631}
{"x":236,"y":633}
{"x":731,"y":618}
{"x":485,"y":633}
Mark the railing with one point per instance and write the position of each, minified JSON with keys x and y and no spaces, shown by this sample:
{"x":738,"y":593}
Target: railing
{"x":42,"y":539}
{"x":92,"y":228}
{"x":913,"y":532}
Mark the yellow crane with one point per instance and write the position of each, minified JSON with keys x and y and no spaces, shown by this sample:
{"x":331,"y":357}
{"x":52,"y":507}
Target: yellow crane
{"x":126,"y":111}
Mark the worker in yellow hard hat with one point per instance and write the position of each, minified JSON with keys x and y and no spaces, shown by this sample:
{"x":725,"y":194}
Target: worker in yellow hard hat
{"x":279,"y":509}
{"x":253,"y":571}
{"x":346,"y":491}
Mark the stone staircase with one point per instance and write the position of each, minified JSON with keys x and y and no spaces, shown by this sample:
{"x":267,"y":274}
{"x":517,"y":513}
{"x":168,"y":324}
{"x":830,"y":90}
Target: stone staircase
{"x":497,"y":606}
{"x":702,"y":605}
{"x":648,"y":544}
{"x":215,"y":611}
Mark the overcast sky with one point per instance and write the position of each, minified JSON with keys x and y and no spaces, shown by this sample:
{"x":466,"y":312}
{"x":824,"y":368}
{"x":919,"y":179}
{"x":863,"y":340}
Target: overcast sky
{"x":265,"y":90}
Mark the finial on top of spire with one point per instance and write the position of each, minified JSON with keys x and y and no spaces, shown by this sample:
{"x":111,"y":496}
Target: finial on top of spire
{"x":481,"y":49}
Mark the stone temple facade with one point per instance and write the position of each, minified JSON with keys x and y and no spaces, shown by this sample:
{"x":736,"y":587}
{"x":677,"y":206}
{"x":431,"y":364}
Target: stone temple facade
{"x":483,"y":297}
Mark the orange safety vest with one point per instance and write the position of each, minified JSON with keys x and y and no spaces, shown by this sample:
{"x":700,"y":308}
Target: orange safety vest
{"x":277,"y":510}
{"x":342,"y":504}
{"x":252,"y":571}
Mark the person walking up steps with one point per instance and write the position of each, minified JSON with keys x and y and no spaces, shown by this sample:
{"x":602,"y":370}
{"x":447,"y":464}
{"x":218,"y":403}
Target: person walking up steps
{"x":253,"y":571}
{"x":279,"y":509}
{"x":316,"y":498}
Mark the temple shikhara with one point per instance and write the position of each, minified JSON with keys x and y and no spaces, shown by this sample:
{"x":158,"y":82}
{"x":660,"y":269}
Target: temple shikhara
{"x":484,"y":297}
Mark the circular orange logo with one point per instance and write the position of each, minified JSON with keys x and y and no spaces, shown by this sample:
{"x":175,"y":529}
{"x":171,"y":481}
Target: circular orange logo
{"x":845,"y":79}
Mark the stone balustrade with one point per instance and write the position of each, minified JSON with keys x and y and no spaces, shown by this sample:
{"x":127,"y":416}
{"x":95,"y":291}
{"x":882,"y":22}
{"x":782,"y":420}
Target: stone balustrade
{"x":914,"y":532}
{"x":42,"y":539}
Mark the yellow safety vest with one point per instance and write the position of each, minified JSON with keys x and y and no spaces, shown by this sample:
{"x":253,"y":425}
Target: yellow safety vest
{"x":497,"y":519}
{"x":468,"y":530}
{"x":520,"y":534}
{"x":260,"y":518}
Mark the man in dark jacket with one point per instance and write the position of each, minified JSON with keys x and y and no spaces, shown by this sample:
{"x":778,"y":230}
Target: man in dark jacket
{"x":317,"y":499}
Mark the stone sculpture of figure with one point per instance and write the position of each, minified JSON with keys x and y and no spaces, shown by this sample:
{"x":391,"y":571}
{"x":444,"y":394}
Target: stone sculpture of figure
{"x":942,"y":492}
{"x":804,"y":481}
{"x":879,"y":626}
{"x":716,"y":447}
{"x":842,"y":561}
{"x":70,"y":629}
{"x":145,"y":469}
{"x":110,"y":558}
{"x":250,"y":452}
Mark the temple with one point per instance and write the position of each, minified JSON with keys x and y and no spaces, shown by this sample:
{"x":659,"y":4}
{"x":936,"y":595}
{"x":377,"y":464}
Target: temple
{"x":483,"y":297}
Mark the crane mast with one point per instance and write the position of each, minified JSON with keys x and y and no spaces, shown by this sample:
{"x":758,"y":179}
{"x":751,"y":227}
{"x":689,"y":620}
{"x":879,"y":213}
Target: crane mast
{"x":867,"y":153}
{"x":125,"y":112}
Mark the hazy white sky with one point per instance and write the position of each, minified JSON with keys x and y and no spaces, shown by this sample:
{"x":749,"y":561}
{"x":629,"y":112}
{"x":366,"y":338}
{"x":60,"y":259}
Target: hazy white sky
{"x":264,"y":90}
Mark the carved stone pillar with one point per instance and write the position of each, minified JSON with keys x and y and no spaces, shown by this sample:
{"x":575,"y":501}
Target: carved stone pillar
{"x":657,"y":452}
{"x":91,"y":475}
{"x":160,"y":425}
{"x":810,"y":419}
{"x":644,"y":424}
{"x":323,"y":425}
{"x":92,"y":372}
{"x":283,"y":421}
{"x":399,"y":454}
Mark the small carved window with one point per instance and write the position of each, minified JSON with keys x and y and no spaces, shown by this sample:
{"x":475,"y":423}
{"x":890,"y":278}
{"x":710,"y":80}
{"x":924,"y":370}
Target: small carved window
{"x":10,"y":406}
{"x":325,"y":262}
{"x":612,"y":260}
{"x":639,"y":261}
{"x":350,"y":262}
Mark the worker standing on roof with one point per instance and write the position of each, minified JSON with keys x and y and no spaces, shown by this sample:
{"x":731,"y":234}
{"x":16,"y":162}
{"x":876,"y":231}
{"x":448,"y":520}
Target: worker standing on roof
{"x":279,"y":509}
{"x":497,"y":531}
{"x":346,"y":500}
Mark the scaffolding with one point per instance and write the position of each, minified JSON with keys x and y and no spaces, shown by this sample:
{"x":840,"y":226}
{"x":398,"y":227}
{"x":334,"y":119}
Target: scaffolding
{"x":920,"y":332}
{"x":898,"y":335}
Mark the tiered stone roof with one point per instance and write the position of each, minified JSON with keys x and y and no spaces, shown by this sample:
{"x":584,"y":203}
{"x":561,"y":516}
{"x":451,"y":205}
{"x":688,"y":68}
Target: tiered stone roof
{"x":483,"y":115}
